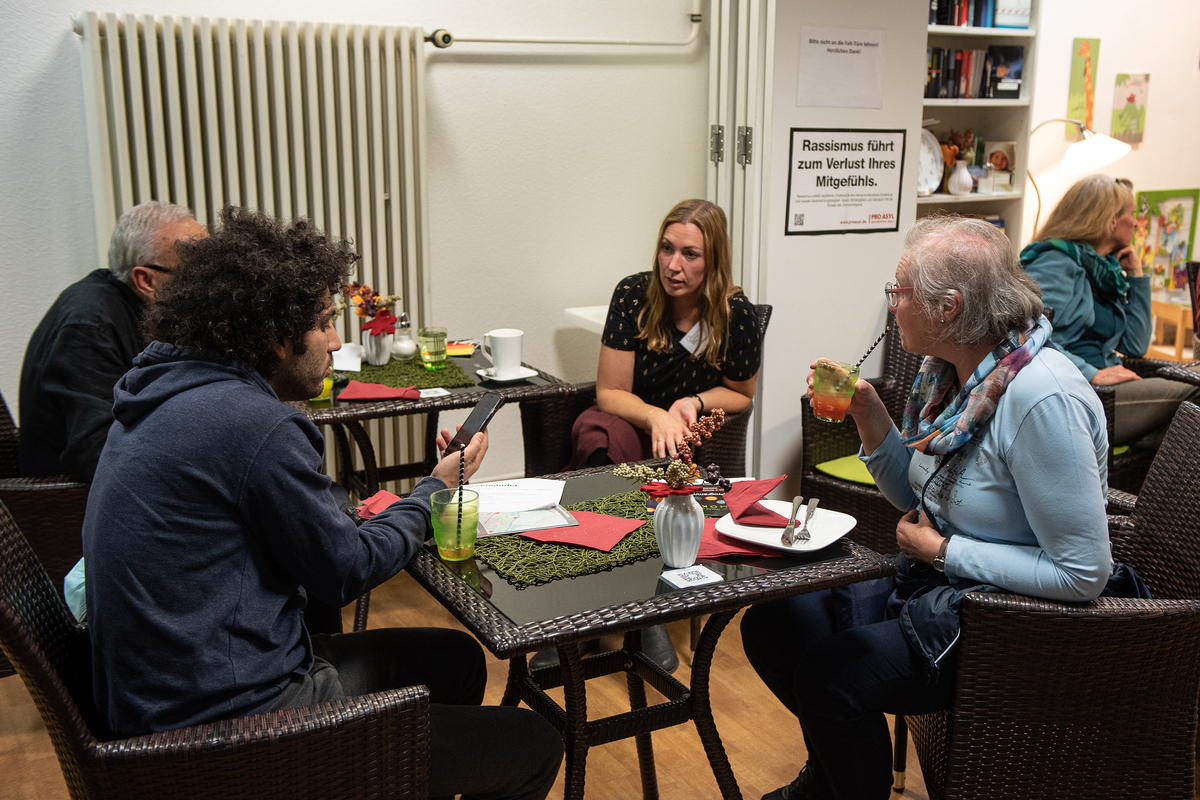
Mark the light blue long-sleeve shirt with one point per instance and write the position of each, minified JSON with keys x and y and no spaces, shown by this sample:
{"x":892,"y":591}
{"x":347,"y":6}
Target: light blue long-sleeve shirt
{"x":1066,"y":289}
{"x":1026,"y":507}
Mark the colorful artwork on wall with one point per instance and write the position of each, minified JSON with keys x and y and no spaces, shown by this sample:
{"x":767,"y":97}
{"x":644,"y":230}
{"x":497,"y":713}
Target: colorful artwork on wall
{"x":1166,"y":228}
{"x":1081,"y":97}
{"x":1129,"y":106}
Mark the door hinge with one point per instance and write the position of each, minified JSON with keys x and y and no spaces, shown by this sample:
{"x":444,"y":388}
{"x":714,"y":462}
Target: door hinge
{"x":745,"y":145}
{"x":716,"y":144}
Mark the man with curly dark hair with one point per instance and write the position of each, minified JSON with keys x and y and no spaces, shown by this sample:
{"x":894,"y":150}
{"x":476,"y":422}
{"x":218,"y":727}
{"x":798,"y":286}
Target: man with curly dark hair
{"x":210,"y":523}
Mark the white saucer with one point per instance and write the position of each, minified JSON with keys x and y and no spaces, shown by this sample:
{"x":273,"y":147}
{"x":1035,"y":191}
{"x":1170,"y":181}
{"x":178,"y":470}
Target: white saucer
{"x":825,"y":527}
{"x":524,"y":373}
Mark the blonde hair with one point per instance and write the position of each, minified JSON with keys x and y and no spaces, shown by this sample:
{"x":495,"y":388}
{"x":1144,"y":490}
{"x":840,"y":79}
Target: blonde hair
{"x":654,"y":322}
{"x":1086,"y":212}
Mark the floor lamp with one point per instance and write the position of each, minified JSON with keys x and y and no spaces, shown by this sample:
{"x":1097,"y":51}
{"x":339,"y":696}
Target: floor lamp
{"x":1093,"y":151}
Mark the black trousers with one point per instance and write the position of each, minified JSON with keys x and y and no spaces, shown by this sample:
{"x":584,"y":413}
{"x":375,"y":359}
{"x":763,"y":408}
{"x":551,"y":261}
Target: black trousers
{"x":482,"y":753}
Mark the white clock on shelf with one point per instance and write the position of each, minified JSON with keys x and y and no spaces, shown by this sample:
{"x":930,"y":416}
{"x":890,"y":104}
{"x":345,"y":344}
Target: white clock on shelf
{"x":929,"y":170}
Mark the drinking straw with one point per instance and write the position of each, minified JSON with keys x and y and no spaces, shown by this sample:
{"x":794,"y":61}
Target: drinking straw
{"x":871,"y":349}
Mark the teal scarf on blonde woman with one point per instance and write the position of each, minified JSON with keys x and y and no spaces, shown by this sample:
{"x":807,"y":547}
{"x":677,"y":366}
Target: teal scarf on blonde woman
{"x":1104,"y":272}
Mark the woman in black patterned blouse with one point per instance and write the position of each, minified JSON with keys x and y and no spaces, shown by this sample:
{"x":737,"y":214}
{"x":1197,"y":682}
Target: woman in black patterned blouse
{"x":679,"y":341}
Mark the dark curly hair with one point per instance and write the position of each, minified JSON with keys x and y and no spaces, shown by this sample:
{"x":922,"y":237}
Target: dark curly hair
{"x":252,"y":284}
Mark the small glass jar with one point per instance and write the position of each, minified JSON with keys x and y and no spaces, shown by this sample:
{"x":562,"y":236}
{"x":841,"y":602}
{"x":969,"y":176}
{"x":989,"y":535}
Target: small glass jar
{"x":404,"y":345}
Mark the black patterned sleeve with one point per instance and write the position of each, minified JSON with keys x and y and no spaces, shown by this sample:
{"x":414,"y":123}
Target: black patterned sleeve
{"x":744,"y":351}
{"x":620,"y":328}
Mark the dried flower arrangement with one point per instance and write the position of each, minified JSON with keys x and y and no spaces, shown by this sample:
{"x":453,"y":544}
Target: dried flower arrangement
{"x":678,"y":475}
{"x":374,"y":307}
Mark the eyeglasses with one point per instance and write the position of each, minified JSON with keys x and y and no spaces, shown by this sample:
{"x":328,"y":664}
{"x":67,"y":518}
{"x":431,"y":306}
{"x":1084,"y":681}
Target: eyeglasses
{"x":157,"y":268}
{"x":893,"y":291}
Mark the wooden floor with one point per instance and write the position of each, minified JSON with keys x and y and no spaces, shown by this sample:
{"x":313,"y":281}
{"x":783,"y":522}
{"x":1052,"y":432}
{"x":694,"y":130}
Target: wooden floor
{"x":763,"y":741}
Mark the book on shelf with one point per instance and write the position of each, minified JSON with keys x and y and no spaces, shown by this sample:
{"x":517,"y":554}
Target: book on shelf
{"x":1008,"y":61}
{"x":973,"y":74}
{"x":979,"y":13}
{"x":1012,"y":13}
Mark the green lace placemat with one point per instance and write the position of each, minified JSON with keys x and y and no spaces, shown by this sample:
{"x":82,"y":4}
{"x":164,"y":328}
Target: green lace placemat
{"x":525,"y":562}
{"x":399,"y":374}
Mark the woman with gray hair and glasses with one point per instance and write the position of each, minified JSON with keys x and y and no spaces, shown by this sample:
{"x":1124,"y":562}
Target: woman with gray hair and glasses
{"x":1001,"y":466}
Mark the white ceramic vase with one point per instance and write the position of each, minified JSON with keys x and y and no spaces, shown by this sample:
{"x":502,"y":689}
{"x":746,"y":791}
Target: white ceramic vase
{"x":377,"y":349}
{"x":678,"y":526}
{"x":960,"y":179}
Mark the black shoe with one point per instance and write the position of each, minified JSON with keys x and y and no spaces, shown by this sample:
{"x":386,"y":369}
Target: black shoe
{"x":809,"y":785}
{"x":549,"y":658}
{"x":656,"y":644}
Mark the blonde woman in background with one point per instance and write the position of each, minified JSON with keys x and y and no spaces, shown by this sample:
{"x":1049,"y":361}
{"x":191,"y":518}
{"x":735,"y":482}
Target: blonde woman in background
{"x":1090,"y":275}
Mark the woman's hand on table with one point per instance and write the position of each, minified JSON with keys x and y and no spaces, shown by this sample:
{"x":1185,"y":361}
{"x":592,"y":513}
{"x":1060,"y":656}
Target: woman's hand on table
{"x":918,"y":539}
{"x":446,"y":470}
{"x":684,"y":409}
{"x":666,"y":433}
{"x":1110,"y":376}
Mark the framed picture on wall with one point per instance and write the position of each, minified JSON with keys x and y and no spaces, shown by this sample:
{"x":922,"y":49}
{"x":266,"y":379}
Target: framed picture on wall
{"x":1166,"y":228}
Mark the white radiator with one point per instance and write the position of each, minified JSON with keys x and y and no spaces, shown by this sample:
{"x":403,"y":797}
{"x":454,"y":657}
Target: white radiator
{"x":295,"y":118}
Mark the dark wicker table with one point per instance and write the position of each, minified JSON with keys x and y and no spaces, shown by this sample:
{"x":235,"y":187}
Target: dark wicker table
{"x":513,"y":622}
{"x":347,"y":418}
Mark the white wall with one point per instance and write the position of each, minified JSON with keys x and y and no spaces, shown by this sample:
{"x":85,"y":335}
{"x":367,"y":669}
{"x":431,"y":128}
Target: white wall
{"x":550,"y":167}
{"x":1161,"y":38}
{"x":828,"y":290}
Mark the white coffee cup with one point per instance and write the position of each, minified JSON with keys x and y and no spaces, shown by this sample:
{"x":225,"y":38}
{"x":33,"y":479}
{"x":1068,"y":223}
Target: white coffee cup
{"x":502,"y":347}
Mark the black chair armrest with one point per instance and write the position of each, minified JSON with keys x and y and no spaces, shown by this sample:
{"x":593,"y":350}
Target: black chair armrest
{"x":1120,"y":503}
{"x":373,"y":745}
{"x":1146,"y":367}
{"x":1185,"y":373}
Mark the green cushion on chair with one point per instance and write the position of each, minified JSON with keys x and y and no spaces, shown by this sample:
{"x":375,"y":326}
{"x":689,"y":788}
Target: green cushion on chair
{"x":1121,"y":450}
{"x":847,"y":468}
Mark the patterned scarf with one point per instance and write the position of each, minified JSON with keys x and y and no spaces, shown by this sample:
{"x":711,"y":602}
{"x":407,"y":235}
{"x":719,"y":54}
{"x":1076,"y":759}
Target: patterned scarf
{"x":1103,"y":272}
{"x":935,"y":422}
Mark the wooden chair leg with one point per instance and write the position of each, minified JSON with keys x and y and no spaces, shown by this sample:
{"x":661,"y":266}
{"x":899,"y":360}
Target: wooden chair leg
{"x":695,"y":637}
{"x":900,"y":754}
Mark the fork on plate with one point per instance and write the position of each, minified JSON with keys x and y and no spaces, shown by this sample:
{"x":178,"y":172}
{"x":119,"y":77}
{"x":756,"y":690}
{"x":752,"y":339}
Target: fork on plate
{"x":803,"y":534}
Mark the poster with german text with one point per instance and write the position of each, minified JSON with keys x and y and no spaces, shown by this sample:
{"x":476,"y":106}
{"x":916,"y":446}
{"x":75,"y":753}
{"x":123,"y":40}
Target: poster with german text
{"x":844,"y":180}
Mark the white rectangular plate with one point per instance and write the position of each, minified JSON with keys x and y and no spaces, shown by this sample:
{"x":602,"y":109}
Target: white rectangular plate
{"x":825,"y":527}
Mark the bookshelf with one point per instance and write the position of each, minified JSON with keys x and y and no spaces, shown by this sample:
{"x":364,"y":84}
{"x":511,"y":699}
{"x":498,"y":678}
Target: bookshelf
{"x":995,"y":119}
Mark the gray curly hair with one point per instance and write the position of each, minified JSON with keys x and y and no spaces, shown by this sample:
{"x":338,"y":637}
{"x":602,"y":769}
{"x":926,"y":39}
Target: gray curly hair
{"x":132,"y":242}
{"x":946,"y":253}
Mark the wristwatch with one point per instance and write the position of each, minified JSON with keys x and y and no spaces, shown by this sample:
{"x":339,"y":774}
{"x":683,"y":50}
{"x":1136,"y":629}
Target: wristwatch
{"x":939,"y":561}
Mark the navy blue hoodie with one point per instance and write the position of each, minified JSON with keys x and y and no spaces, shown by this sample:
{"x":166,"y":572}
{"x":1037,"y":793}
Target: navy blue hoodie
{"x":208,"y":513}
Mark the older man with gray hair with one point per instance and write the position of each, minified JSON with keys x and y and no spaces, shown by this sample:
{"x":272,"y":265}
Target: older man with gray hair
{"x":88,"y":340}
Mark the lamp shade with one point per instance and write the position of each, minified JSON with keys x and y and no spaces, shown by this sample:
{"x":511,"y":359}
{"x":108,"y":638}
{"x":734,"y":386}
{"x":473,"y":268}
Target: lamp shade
{"x":1094,"y":151}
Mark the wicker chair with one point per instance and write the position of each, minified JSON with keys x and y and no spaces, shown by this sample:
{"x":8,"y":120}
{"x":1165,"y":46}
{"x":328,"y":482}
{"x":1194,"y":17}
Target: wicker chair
{"x":1096,"y":699}
{"x":546,"y":428}
{"x":49,"y":511}
{"x":375,"y":745}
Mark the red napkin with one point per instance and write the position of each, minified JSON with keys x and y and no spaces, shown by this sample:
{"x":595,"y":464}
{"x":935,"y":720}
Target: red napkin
{"x":714,"y":544}
{"x":375,"y":503}
{"x":356,"y":390}
{"x":597,"y":531}
{"x":743,"y":498}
